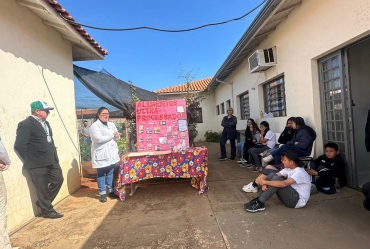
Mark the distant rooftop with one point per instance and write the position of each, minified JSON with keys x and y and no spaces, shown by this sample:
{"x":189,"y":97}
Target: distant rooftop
{"x":198,"y":85}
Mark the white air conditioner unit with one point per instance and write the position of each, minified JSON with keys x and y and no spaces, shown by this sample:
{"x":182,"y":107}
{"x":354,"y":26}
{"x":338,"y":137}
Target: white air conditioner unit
{"x":262,"y":59}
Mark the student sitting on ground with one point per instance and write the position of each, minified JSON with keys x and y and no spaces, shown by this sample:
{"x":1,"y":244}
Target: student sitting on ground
{"x":328,"y":167}
{"x":240,"y":146}
{"x":292,"y":185}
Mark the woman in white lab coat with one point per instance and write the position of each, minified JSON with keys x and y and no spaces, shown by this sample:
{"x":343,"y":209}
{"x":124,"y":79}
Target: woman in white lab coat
{"x":104,"y":152}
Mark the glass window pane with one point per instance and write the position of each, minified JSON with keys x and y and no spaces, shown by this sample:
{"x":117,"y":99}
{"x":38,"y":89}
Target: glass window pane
{"x":340,"y":136}
{"x":331,"y":136}
{"x":338,"y":115}
{"x":325,"y":66}
{"x":274,"y":97}
{"x":337,"y":83}
{"x":330,"y":126}
{"x":339,"y":126}
{"x":328,"y":95}
{"x":336,"y":72}
{"x":329,"y":105}
{"x":337,"y":104}
{"x":334,"y":62}
{"x":326,"y":76}
{"x":329,"y":116}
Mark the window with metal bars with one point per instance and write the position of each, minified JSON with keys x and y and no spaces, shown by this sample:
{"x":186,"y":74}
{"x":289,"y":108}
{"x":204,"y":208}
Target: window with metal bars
{"x":274,"y":97}
{"x":244,"y":106}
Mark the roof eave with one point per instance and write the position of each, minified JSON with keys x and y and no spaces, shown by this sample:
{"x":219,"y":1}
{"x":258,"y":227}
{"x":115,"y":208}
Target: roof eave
{"x":257,"y":23}
{"x":81,"y":48}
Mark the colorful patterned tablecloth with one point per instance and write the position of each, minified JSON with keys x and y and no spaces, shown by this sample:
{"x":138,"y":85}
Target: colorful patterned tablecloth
{"x":192,"y":163}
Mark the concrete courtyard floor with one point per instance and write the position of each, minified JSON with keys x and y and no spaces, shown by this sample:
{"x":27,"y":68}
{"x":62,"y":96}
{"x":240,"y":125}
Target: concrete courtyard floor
{"x":172,"y":215}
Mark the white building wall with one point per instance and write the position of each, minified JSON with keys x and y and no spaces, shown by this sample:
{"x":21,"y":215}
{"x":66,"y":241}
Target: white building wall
{"x":314,"y":29}
{"x":33,"y":57}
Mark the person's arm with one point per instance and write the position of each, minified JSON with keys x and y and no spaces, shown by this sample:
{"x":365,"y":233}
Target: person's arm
{"x":266,"y":138}
{"x":4,"y":157}
{"x":97,"y":136}
{"x":278,"y":184}
{"x":283,"y":136}
{"x":233,"y":122}
{"x":21,"y":140}
{"x":223,"y":122}
{"x":304,"y":141}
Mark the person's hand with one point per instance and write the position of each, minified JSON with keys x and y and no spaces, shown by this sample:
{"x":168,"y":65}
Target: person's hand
{"x":264,"y":188}
{"x":296,"y":143}
{"x":117,"y":135}
{"x":3,"y":167}
{"x":312,"y":172}
{"x":260,"y":181}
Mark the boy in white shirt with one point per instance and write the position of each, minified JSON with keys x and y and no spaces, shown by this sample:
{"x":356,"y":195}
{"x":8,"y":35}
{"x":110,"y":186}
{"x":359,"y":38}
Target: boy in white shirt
{"x":292,"y":185}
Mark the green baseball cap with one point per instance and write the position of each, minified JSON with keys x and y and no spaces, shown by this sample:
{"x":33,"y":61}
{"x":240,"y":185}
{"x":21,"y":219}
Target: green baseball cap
{"x":40,"y":105}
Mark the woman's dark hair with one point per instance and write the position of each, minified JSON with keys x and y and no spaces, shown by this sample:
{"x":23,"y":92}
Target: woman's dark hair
{"x":252,"y":120}
{"x":290,"y":119}
{"x":255,"y":127}
{"x":99,"y":111}
{"x":264,"y":123}
{"x":299,"y":121}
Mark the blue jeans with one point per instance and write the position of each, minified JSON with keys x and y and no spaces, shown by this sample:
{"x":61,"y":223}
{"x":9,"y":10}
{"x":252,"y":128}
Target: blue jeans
{"x":105,"y":179}
{"x":240,"y":148}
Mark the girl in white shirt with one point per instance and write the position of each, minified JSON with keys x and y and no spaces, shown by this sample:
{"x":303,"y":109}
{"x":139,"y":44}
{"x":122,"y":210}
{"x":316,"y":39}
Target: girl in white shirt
{"x":267,"y":141}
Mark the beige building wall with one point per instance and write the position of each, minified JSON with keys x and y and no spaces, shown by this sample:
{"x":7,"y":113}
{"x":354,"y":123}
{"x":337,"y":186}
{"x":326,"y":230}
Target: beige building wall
{"x":313,"y":30}
{"x":33,"y":58}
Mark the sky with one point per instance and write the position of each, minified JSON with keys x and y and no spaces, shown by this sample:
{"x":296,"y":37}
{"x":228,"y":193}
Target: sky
{"x":153,"y":60}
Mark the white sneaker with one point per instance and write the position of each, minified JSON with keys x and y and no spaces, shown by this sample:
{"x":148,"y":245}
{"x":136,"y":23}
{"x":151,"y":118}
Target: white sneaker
{"x":267,"y":159}
{"x":242,"y":160}
{"x":249,"y":188}
{"x":245,"y":186}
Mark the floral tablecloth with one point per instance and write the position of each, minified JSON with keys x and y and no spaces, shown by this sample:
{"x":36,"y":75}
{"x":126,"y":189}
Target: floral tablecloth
{"x":191,"y":163}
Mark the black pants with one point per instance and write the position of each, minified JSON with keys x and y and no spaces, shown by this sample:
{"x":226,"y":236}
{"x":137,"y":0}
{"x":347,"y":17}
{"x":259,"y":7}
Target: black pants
{"x":47,"y":182}
{"x":247,"y":146}
{"x":223,"y":149}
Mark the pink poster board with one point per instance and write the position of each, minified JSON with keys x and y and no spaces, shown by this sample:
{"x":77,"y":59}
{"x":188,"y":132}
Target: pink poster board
{"x":161,"y":125}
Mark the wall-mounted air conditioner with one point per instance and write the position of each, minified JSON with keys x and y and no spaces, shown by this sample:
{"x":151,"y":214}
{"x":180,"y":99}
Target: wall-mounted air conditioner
{"x":262,"y":59}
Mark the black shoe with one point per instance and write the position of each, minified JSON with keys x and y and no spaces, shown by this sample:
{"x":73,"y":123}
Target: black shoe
{"x":231,"y":159}
{"x":223,"y":158}
{"x":113,"y":195}
{"x":103,"y":198}
{"x":51,"y":215}
{"x":254,"y":206}
{"x":255,"y":169}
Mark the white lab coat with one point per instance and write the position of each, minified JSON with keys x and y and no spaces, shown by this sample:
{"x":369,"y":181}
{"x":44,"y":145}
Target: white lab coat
{"x":104,"y":149}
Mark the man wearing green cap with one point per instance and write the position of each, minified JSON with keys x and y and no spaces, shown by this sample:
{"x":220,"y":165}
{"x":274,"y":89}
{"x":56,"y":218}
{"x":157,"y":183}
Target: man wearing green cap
{"x":35,"y":146}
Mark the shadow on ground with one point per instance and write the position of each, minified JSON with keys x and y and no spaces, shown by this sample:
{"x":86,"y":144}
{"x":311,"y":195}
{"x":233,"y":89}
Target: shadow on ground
{"x":172,"y":215}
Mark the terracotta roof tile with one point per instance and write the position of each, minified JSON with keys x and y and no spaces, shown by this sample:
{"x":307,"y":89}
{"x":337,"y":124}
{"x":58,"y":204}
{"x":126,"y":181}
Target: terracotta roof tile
{"x":80,"y":29}
{"x":198,"y":85}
